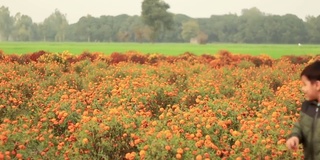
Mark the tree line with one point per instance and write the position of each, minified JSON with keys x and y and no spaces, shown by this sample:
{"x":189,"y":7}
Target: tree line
{"x":156,"y":24}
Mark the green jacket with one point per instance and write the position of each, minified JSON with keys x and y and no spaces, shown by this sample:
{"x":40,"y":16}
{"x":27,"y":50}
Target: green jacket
{"x":307,"y":129}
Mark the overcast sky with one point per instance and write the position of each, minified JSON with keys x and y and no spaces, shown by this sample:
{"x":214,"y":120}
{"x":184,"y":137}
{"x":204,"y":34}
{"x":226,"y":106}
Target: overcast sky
{"x":38,"y":10}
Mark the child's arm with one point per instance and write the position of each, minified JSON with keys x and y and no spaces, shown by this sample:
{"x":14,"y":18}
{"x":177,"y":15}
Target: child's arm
{"x":295,"y":137}
{"x":296,"y":131}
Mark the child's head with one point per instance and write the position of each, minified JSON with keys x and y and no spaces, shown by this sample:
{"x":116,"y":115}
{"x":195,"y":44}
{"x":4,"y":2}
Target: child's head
{"x":310,"y":77}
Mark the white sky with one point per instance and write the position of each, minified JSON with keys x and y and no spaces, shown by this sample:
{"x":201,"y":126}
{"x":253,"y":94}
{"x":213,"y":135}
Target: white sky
{"x":38,"y":10}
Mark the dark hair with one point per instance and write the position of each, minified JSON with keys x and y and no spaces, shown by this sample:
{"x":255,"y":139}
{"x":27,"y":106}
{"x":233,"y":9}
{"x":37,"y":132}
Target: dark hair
{"x":312,"y":71}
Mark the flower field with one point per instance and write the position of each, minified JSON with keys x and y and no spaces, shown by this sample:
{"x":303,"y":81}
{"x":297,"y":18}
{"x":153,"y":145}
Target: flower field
{"x":137,"y":106}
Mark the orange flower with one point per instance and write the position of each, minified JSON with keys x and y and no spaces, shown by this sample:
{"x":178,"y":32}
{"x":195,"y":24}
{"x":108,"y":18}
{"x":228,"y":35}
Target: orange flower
{"x":146,"y":147}
{"x":235,"y":133}
{"x":19,"y":156}
{"x":161,"y":117}
{"x":21,"y":147}
{"x":199,"y":157}
{"x":218,"y":152}
{"x":178,"y":156}
{"x":1,"y":156}
{"x":281,"y":141}
{"x":246,"y":150}
{"x":85,"y":141}
{"x":179,"y":150}
{"x":142,"y":154}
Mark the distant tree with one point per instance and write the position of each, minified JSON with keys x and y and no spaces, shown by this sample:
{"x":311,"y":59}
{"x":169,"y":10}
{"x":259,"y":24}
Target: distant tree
{"x":156,"y":24}
{"x":54,"y":27}
{"x":6,"y":23}
{"x":250,"y":26}
{"x":228,"y":28}
{"x":123,"y":36}
{"x":23,"y":28}
{"x":272,"y":27}
{"x":138,"y":34}
{"x":252,"y":12}
{"x":313,"y":26}
{"x":212,"y":26}
{"x":155,"y":15}
{"x":174,"y":35}
{"x":106,"y":29}
{"x":202,"y":38}
{"x":190,"y":29}
{"x":87,"y":27}
{"x":142,"y":33}
{"x":293,"y":29}
{"x":122,"y":26}
{"x":35,"y":32}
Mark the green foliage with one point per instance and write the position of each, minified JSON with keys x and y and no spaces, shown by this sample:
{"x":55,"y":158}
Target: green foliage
{"x":6,"y":22}
{"x":246,"y":64}
{"x":180,"y":106}
{"x":190,"y":29}
{"x":252,"y":26}
{"x":54,"y":27}
{"x":109,"y":144}
{"x":155,"y":15}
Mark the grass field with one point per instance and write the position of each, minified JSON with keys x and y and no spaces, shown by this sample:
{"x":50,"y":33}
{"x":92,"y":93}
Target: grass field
{"x":274,"y":50}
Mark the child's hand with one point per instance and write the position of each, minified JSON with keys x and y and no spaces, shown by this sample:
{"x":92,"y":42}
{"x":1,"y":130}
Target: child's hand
{"x":292,"y":143}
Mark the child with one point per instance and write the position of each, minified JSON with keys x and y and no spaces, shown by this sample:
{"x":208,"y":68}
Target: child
{"x":306,"y":131}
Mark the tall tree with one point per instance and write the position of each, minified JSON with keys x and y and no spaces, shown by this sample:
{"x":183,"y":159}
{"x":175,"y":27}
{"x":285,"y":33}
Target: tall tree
{"x":250,"y":28}
{"x":107,"y":29}
{"x":6,"y":23}
{"x":313,"y":25}
{"x":190,"y":30}
{"x":293,"y":29}
{"x":174,"y":34}
{"x":54,"y":27}
{"x":23,"y":28}
{"x":121,"y":27}
{"x":155,"y":15}
{"x":141,"y":33}
{"x":272,"y":26}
